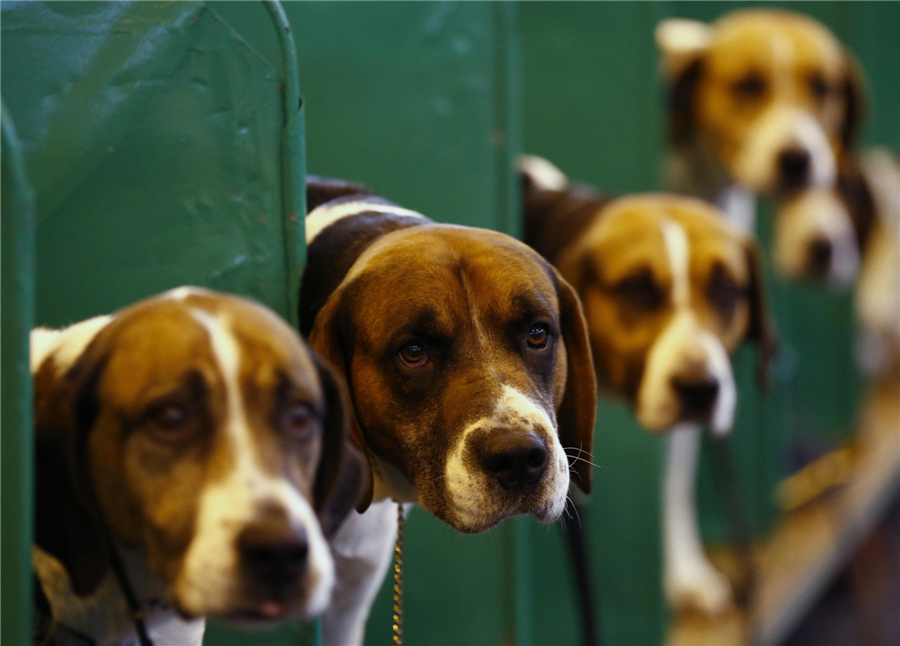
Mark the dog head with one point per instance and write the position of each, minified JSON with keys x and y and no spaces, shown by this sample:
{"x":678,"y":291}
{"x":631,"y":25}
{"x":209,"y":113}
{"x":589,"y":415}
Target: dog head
{"x":197,"y":428}
{"x":469,"y":371}
{"x":821,"y":233}
{"x":772,"y":95}
{"x":669,"y":290}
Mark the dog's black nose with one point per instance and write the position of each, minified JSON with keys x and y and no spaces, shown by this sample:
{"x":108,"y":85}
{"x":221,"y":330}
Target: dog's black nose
{"x":793,"y":168}
{"x":697,"y":396}
{"x":273,"y":552}
{"x":515,"y":459}
{"x":820,"y":252}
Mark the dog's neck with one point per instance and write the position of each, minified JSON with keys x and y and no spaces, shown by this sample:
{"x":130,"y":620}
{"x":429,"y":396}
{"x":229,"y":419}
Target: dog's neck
{"x":391,"y":483}
{"x":691,"y":169}
{"x":104,"y":616}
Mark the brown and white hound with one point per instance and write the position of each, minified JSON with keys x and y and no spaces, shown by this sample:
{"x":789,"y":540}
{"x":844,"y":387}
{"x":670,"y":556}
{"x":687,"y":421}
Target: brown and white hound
{"x":761,"y":101}
{"x":467,"y":361}
{"x":670,"y":288}
{"x":193,"y":438}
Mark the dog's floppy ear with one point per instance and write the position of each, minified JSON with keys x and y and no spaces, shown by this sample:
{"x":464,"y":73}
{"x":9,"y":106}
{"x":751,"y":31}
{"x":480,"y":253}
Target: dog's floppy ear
{"x":575,"y":417}
{"x":760,"y":329}
{"x":854,"y":89}
{"x":67,"y":520}
{"x":682,"y":44}
{"x":341,"y":472}
{"x":328,"y":339}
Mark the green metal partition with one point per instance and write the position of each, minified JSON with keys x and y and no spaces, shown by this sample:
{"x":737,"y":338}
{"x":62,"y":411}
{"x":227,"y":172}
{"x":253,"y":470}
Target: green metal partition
{"x":418,"y":101}
{"x":17,"y":291}
{"x":594,"y":104}
{"x":163,"y":150}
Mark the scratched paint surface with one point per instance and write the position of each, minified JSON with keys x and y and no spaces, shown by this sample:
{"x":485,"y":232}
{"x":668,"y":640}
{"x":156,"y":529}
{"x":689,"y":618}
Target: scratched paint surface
{"x":151,"y":136}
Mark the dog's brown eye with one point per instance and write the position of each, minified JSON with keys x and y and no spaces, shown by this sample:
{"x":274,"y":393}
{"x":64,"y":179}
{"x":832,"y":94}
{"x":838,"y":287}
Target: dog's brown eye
{"x":299,"y":417}
{"x":751,"y":86}
{"x":640,"y":291}
{"x":724,"y":293}
{"x":413,"y":355}
{"x":537,"y":337}
{"x":818,"y":86}
{"x":171,"y":417}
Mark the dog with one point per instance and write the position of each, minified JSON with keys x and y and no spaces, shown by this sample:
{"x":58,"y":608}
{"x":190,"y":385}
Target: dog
{"x":670,"y":288}
{"x":469,"y":370}
{"x":761,"y":102}
{"x":850,"y":237}
{"x":192,"y":450}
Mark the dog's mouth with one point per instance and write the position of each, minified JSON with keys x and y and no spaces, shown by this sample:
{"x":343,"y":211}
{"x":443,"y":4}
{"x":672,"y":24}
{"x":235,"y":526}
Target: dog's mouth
{"x":470,"y":519}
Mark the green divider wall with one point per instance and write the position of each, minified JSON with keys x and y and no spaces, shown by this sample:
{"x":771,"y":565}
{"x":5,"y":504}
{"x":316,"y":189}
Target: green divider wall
{"x":153,"y":136}
{"x":417,"y":101}
{"x":594,"y":104}
{"x":163,"y":151}
{"x":16,"y":319}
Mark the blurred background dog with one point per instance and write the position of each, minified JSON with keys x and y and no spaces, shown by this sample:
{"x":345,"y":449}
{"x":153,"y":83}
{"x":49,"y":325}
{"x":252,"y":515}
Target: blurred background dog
{"x":669,"y":289}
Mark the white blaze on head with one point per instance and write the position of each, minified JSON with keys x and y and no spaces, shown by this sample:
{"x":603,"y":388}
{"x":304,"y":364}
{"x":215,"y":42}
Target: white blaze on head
{"x":683,"y":344}
{"x":210,"y":578}
{"x":469,"y":487}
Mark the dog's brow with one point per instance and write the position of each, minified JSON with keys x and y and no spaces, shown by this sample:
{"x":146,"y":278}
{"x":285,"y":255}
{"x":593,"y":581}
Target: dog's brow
{"x":532,"y":306}
{"x":425,"y":321}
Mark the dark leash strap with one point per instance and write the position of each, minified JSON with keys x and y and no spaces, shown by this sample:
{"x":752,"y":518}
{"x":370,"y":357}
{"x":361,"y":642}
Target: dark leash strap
{"x":581,"y":569}
{"x":134,"y":607}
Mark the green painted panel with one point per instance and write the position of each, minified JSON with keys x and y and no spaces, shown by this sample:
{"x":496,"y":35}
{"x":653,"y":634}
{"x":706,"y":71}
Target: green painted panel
{"x":593,"y":103}
{"x":418,"y":101}
{"x":16,"y":317}
{"x":153,"y":133}
{"x":166,"y":152}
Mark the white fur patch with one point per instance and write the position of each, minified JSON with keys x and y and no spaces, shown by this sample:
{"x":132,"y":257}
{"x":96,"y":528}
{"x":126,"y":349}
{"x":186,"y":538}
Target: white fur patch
{"x":181,"y":293}
{"x":65,"y":345}
{"x":324,"y":216}
{"x":679,"y":260}
{"x":472,"y":502}
{"x":544,"y":174}
{"x":689,"y":578}
{"x":680,"y":41}
{"x":209,"y":578}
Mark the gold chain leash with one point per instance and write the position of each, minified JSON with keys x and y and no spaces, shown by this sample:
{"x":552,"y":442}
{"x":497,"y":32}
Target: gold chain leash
{"x":398,"y":580}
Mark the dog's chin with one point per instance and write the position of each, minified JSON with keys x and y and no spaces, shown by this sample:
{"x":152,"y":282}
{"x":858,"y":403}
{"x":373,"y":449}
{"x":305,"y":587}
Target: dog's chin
{"x":475,"y":521}
{"x":251,"y":613}
{"x":654,"y":422}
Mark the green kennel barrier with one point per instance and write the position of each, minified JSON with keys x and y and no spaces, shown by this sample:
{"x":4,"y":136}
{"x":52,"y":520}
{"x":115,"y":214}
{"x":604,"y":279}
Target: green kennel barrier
{"x":419,"y":101}
{"x":595,"y":105}
{"x":162,"y":150}
{"x":16,"y":318}
{"x":164,"y":145}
